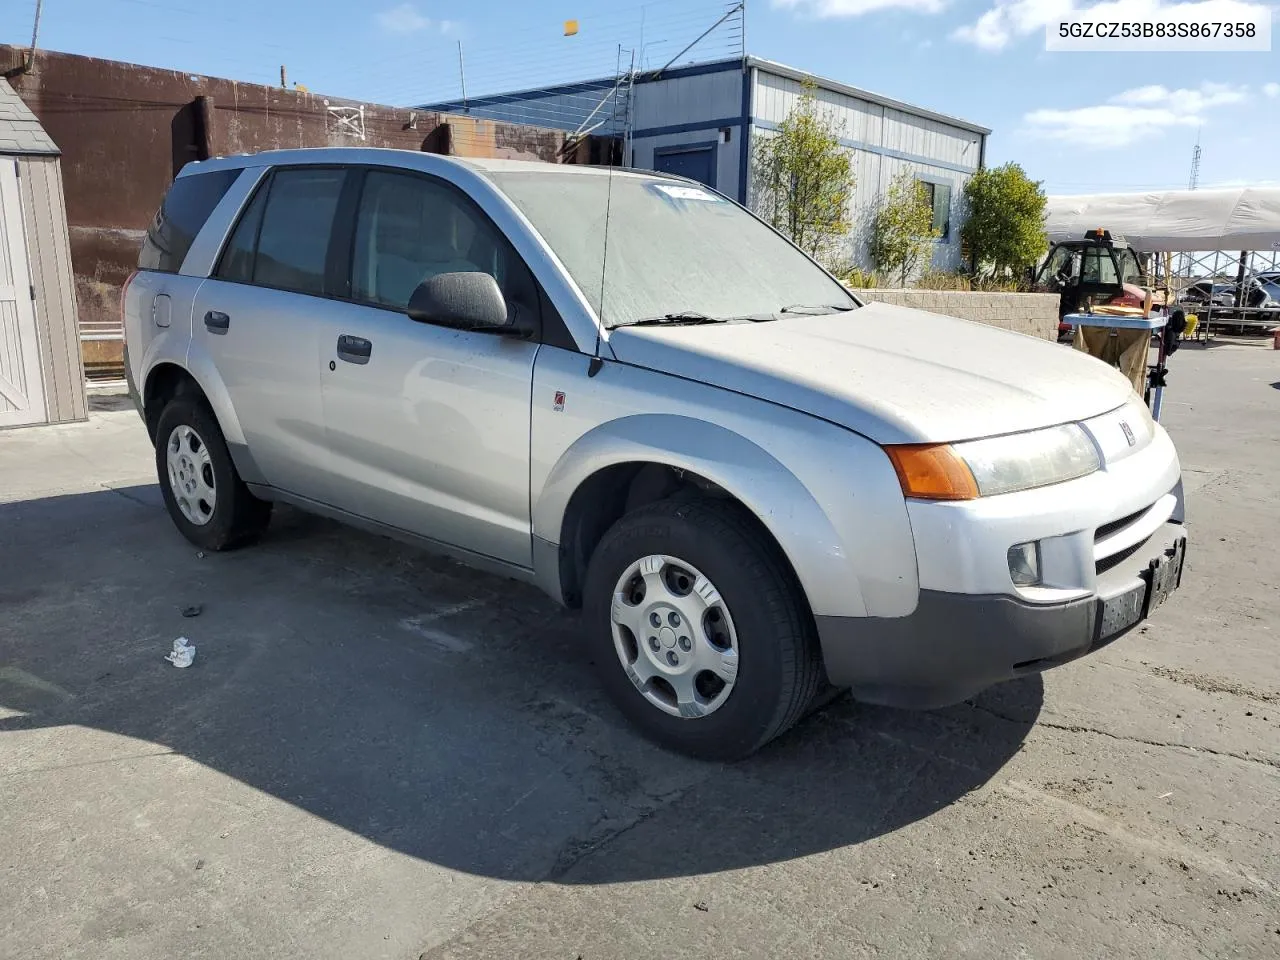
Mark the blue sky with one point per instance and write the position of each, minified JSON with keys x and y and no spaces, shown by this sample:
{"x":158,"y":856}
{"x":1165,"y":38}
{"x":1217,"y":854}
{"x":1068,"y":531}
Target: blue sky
{"x":1078,"y":121}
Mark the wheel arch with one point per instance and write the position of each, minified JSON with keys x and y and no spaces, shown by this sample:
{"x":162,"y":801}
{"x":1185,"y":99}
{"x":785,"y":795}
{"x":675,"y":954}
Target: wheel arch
{"x":626,"y":463}
{"x":163,"y":382}
{"x":203,"y":369}
{"x":167,"y":379}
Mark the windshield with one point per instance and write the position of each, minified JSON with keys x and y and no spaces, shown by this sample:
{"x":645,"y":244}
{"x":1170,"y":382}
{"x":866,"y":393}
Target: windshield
{"x":674,"y":248}
{"x":1130,"y":270}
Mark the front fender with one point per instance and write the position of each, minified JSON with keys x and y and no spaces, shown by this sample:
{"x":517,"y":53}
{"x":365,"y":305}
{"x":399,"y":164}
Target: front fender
{"x":742,"y":467}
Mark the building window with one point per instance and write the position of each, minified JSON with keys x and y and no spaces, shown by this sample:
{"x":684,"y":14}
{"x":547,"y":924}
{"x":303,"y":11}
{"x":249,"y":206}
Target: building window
{"x":939,"y":195}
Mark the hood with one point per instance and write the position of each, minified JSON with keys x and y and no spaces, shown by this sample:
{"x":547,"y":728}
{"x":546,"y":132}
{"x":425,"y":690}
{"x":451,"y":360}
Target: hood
{"x":892,"y":374}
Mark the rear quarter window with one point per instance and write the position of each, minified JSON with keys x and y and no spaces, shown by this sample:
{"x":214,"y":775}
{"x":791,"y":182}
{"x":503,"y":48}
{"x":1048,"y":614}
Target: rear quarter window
{"x":181,"y":216}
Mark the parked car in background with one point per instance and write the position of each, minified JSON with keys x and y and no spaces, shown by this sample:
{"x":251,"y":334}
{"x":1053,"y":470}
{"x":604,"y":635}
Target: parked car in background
{"x":1260,"y":294}
{"x":1263,"y":293}
{"x":1205,"y":293}
{"x":755,"y":487}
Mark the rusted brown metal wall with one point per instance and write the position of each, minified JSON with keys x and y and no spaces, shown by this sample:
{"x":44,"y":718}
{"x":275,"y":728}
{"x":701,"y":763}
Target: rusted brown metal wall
{"x":126,"y":130}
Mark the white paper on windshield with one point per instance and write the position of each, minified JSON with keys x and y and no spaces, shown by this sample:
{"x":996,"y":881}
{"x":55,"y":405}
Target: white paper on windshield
{"x":679,"y":192}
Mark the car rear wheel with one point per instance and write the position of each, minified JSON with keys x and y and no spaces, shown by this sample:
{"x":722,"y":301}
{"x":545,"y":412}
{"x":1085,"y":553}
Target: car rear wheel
{"x":204,"y":494}
{"x":699,"y":631}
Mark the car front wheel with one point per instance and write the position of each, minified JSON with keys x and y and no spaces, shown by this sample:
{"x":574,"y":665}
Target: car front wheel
{"x":699,"y":630}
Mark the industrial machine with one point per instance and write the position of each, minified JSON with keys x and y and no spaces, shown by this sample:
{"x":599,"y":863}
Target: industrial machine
{"x":1099,"y":270}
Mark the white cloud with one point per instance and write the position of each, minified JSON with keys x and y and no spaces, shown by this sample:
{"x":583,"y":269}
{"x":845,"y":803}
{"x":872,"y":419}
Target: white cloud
{"x":856,"y":8}
{"x":404,"y":19}
{"x":1133,"y":116}
{"x":1008,"y":20}
{"x":1184,"y":102}
{"x":1271,"y":89}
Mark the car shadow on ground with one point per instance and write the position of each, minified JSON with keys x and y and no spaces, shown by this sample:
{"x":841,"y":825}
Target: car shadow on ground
{"x":442,"y":713}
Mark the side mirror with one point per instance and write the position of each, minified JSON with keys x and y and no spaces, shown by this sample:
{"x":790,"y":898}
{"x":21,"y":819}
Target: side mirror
{"x":463,"y":301}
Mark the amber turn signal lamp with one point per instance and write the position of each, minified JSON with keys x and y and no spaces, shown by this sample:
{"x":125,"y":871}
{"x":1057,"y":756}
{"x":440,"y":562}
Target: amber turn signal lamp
{"x":932,"y":471}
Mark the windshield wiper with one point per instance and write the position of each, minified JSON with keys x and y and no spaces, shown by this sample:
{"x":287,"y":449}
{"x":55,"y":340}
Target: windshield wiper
{"x":684,"y":316}
{"x":818,"y":308}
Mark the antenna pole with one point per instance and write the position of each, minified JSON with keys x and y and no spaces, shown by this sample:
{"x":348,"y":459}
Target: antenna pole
{"x":597,"y":362}
{"x":462,"y":76}
{"x":1195,"y":164}
{"x":35,"y":35}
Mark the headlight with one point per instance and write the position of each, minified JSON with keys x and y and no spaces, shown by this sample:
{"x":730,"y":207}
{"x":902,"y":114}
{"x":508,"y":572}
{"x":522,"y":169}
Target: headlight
{"x":985,"y":468}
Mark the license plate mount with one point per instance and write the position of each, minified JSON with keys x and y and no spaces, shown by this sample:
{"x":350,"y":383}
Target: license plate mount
{"x":1164,"y":576}
{"x":1121,"y":612}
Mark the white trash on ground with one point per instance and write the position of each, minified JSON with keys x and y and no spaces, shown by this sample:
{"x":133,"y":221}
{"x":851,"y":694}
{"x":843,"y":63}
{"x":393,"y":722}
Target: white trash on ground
{"x":183,"y":653}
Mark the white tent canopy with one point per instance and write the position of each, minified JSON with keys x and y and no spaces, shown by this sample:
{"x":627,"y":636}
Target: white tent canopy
{"x":1243,"y":218}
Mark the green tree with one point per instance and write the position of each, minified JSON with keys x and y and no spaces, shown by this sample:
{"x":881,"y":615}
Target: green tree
{"x":1004,"y":230}
{"x":902,"y":233}
{"x":802,"y":180}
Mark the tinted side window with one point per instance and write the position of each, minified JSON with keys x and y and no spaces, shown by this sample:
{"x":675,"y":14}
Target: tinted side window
{"x":409,"y":229}
{"x":237,"y":258}
{"x":296,"y":225}
{"x":184,"y":211}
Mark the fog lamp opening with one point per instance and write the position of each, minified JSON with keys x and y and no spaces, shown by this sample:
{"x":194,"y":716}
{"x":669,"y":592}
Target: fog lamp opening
{"x":1024,"y":563}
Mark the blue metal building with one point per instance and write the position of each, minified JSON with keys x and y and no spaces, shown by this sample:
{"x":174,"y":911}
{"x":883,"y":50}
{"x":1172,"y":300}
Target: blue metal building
{"x":700,"y":121}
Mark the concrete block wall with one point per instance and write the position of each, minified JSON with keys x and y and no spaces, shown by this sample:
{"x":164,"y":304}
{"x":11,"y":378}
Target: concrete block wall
{"x":1035,"y":314}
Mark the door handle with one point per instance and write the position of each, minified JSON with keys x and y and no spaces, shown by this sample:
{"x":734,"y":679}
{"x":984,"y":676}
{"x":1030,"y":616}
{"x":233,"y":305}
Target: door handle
{"x":354,"y":349}
{"x":215,"y":321}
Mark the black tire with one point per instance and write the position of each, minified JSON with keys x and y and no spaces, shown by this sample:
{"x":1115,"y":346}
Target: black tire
{"x":238,"y":517}
{"x":780,"y":667}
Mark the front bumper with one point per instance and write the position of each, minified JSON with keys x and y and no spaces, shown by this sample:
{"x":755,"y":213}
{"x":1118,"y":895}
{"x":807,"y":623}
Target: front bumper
{"x":955,"y":645}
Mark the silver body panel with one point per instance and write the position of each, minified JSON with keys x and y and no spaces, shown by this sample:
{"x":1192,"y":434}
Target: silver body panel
{"x":475,"y":443}
{"x":268,"y":362}
{"x":890,"y":373}
{"x":824,"y":493}
{"x":432,"y":434}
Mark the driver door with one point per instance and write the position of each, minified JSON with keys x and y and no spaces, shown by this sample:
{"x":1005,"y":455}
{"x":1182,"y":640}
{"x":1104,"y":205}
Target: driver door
{"x":428,"y":427}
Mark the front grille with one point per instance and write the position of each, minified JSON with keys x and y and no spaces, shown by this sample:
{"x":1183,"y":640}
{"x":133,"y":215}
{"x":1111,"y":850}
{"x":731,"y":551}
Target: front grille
{"x":1106,"y":563}
{"x":1115,"y":526}
{"x":1103,"y":564}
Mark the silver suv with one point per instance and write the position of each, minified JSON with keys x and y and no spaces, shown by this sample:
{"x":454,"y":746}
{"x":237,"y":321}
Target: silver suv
{"x":626,"y":389}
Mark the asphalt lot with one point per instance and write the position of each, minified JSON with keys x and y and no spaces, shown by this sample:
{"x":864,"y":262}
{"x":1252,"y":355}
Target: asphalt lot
{"x":381,"y":754}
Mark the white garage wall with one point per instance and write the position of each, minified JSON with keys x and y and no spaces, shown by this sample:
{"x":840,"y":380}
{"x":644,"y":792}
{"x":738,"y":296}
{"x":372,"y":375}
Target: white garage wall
{"x":882,"y":141}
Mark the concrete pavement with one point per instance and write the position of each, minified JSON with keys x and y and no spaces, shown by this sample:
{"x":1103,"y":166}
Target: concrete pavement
{"x":382,"y":754}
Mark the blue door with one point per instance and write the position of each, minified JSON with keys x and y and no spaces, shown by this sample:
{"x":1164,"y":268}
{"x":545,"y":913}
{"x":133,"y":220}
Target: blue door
{"x":698,"y":163}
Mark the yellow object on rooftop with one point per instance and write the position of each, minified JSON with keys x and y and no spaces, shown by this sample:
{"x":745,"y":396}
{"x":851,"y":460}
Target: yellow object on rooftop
{"x":571,"y":28}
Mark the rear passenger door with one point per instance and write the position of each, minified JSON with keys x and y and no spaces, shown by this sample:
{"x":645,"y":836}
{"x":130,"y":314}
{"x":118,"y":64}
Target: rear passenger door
{"x":259,"y":316}
{"x":429,"y":427}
